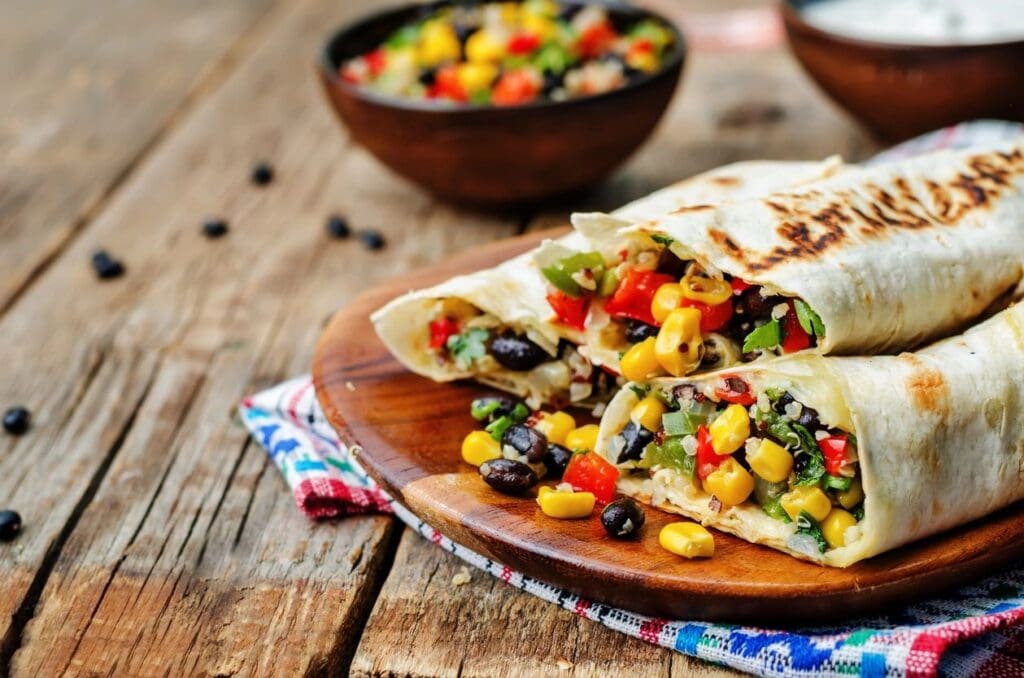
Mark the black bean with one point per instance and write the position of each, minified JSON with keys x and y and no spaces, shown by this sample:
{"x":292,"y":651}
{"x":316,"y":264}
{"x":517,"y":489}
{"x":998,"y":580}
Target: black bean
{"x":753,"y":306}
{"x":552,"y":81}
{"x":215,"y":228}
{"x":556,"y":458}
{"x":427,"y":77}
{"x":463,"y":30}
{"x":10,"y":525}
{"x":508,"y":476}
{"x":736,"y":385}
{"x":800,"y":462}
{"x":780,"y":405}
{"x":337,"y":227}
{"x":622,"y":518}
{"x":568,"y":11}
{"x":635,"y":438}
{"x":671,"y":264}
{"x":525,"y":440}
{"x":516,"y":352}
{"x":809,"y":418}
{"x":372,"y":240}
{"x":16,"y":420}
{"x":106,"y":267}
{"x":637,"y":331}
{"x":262,"y":174}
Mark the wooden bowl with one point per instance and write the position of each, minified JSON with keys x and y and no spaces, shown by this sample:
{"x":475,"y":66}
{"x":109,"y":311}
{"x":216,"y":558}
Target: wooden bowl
{"x":493,"y":156}
{"x":901,"y":90}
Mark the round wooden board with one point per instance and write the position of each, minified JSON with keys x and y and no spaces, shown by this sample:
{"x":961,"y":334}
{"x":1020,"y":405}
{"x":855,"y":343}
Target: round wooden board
{"x":410,"y":430}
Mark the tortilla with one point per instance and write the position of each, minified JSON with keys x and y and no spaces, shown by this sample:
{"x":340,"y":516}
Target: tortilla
{"x":514,"y":293}
{"x":940,"y":438}
{"x":888,"y":256}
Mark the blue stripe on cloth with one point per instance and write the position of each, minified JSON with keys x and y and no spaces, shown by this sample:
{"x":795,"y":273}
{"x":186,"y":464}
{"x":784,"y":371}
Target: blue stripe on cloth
{"x":872,"y":664}
{"x":688,"y":638}
{"x":308,"y":465}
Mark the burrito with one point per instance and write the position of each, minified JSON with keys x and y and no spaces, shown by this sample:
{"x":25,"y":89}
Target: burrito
{"x":497,"y":326}
{"x":833,"y":459}
{"x":871,"y":260}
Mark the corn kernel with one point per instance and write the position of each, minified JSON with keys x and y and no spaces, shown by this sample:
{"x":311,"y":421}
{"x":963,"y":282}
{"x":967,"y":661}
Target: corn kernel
{"x":438,"y":43}
{"x":730,"y":429}
{"x":804,"y":498}
{"x":642,"y":60}
{"x":688,"y":540}
{"x":852,"y":496}
{"x":475,"y":76}
{"x":647,"y":413}
{"x":556,"y":427}
{"x":640,"y":362}
{"x":484,"y":46}
{"x":479,"y":447}
{"x":565,"y":505}
{"x":583,"y":438}
{"x":677,"y":346}
{"x":710,"y":291}
{"x":771,"y":461}
{"x":665,"y":300}
{"x":539,"y":25}
{"x":730,"y":482}
{"x":834,"y":527}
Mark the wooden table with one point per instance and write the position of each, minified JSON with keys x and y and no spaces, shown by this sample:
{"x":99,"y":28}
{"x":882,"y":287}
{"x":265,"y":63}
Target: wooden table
{"x":158,"y":538}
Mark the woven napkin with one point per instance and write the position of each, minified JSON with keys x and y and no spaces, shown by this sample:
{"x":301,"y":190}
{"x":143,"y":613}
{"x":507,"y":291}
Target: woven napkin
{"x":975,"y":630}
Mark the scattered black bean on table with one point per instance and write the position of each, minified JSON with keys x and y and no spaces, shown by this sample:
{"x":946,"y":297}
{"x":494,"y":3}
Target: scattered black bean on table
{"x":215,"y":228}
{"x":17,"y":420}
{"x":371,"y":239}
{"x":262,"y":174}
{"x":10,"y":525}
{"x":337,"y":227}
{"x":622,"y":518}
{"x":106,"y":267}
{"x":508,"y":476}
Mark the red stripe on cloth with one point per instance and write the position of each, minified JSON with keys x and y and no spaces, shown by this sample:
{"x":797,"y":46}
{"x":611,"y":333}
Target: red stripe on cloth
{"x":581,"y":607}
{"x":650,"y":630}
{"x":927,"y":649}
{"x":329,"y":498}
{"x":293,"y":402}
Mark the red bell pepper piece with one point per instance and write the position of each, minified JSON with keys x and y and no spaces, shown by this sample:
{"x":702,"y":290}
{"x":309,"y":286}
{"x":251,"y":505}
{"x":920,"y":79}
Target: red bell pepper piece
{"x":632,"y":298}
{"x":440,"y":330}
{"x":794,"y":337}
{"x":446,"y":85}
{"x":735,"y":390}
{"x":570,"y":311}
{"x":707,"y":459}
{"x":523,"y":43}
{"x":516,"y":87}
{"x":739,"y":286}
{"x":834,"y":450}
{"x":711,"y":317}
{"x":596,"y":39}
{"x":590,"y":472}
{"x":376,"y":61}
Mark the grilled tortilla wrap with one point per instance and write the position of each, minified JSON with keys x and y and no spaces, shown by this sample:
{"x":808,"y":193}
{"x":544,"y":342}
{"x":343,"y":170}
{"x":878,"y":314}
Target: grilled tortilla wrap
{"x":939,"y":441}
{"x":512,"y":297}
{"x":871,"y":260}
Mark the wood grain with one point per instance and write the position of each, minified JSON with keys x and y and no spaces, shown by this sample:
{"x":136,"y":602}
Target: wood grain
{"x":88,"y":88}
{"x":426,"y":625}
{"x":156,"y":536}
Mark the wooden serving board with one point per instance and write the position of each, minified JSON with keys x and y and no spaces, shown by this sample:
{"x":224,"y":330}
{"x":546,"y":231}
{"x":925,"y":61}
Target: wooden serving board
{"x":410,"y":430}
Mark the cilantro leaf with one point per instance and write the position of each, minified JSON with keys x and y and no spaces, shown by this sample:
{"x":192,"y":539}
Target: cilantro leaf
{"x":773,"y":507}
{"x":796,"y":437}
{"x":809,"y":320}
{"x":639,"y":391}
{"x":468,"y":346}
{"x":768,"y":335}
{"x":662,"y":239}
{"x":805,"y":524}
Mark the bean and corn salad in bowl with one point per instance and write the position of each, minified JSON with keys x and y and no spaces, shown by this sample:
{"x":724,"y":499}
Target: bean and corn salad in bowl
{"x":510,"y":54}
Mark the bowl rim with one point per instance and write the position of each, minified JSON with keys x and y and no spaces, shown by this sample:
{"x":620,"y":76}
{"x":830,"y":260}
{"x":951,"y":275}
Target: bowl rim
{"x":329,"y":70}
{"x":793,"y":18}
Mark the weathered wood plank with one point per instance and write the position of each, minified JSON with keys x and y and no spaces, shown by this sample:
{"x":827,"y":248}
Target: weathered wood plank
{"x":88,"y":86}
{"x":156,"y":539}
{"x":424,"y":624}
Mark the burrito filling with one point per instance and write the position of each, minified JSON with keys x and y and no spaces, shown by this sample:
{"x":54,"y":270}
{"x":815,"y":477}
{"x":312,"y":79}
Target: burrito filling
{"x":666,"y":314}
{"x":470,"y":339}
{"x":739,"y":446}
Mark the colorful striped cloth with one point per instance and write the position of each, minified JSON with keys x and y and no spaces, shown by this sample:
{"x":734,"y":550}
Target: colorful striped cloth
{"x":977,"y":630}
